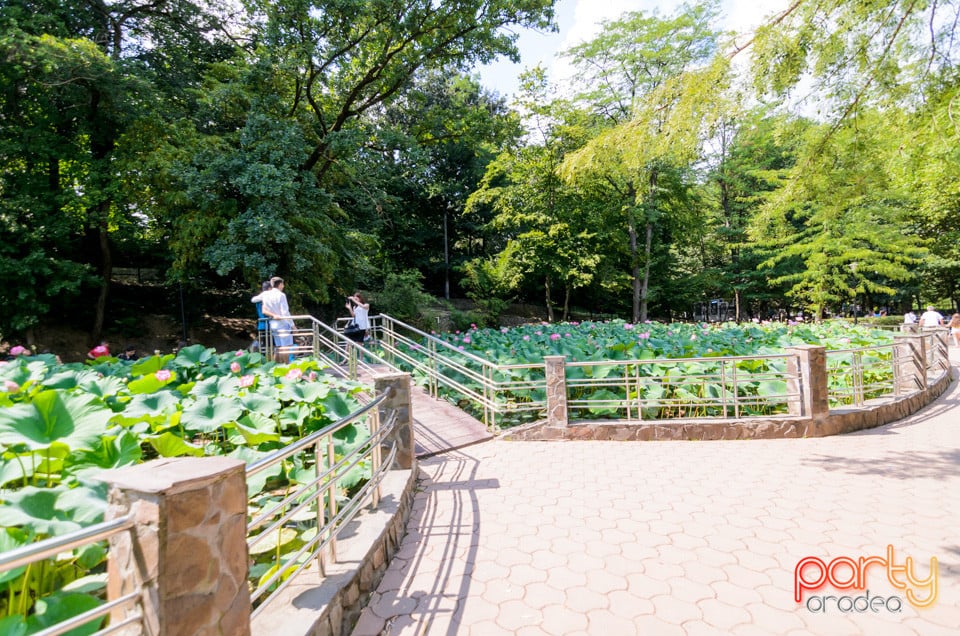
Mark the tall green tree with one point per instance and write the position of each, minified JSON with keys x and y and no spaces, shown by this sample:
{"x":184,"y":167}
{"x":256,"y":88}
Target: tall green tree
{"x":650,"y":82}
{"x":295,"y":205}
{"x":843,"y":217}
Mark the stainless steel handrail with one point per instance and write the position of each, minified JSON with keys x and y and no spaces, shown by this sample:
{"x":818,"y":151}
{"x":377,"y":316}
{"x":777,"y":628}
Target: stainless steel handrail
{"x":331,"y":516}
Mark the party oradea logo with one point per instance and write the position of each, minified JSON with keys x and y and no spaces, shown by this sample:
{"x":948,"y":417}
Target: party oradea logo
{"x":813,"y":574}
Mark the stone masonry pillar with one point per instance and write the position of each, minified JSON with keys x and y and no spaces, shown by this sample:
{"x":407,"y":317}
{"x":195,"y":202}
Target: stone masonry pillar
{"x":188,"y":549}
{"x":401,"y":402}
{"x":556,"y":373}
{"x":911,"y":362}
{"x":809,"y":364}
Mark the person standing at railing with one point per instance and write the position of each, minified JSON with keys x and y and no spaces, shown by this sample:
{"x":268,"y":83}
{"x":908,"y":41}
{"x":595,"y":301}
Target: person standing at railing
{"x":931,"y":317}
{"x":275,"y":308}
{"x":955,"y":329}
{"x":359,"y":310}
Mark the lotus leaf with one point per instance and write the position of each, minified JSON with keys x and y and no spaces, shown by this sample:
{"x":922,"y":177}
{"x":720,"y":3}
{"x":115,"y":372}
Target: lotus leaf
{"x":208,"y":414}
{"x":170,"y":445}
{"x":55,"y":416}
{"x":60,"y":606}
{"x":52,"y":511}
{"x":257,"y":429}
{"x":278,"y":539}
{"x":260,"y":403}
{"x":193,"y":356}
{"x":215,"y":386}
{"x":150,"y":404}
{"x":304,"y":392}
{"x":149,"y":383}
{"x":149,"y":365}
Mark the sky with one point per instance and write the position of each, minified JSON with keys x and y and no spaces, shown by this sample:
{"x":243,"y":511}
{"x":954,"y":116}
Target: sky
{"x":579,"y":20}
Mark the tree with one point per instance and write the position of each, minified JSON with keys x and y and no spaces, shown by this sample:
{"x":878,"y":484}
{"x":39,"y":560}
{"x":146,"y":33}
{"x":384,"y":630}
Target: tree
{"x":78,"y":75}
{"x":843,"y":217}
{"x":298,"y":125}
{"x":548,"y":230}
{"x":655,"y":104}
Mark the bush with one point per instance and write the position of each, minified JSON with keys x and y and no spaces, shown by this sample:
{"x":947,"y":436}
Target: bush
{"x":403,"y":298}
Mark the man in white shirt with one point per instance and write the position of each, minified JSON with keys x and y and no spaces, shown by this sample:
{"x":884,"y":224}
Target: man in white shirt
{"x":276,"y":309}
{"x":910,"y":318}
{"x":931,"y":317}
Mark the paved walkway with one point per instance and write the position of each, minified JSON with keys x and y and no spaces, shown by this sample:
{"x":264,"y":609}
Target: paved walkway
{"x":613,"y":539}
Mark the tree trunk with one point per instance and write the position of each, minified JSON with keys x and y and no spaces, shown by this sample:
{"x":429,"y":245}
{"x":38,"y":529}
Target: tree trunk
{"x":736,"y":305}
{"x":549,"y":302}
{"x":634,"y":267}
{"x":566,"y":304}
{"x":645,"y":288}
{"x":106,"y":274}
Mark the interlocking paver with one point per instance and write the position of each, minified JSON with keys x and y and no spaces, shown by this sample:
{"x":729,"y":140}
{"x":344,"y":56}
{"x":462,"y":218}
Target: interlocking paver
{"x":611,"y":539}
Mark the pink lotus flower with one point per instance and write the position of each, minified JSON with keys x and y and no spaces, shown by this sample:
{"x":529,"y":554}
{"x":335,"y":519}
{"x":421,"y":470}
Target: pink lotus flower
{"x":644,"y":336}
{"x":526,"y":337}
{"x":566,"y":335}
{"x":473,"y":326}
{"x":628,"y":325}
{"x":294,"y":374}
{"x":239,"y":353}
{"x":538,"y":333}
{"x":17,"y":350}
{"x":504,"y":330}
{"x":235,"y":367}
{"x":460,"y":347}
{"x":554,"y":336}
{"x":10,"y":386}
{"x":466,"y":340}
{"x":245,"y":381}
{"x":693,"y":336}
{"x":312,"y":376}
{"x":163,"y":375}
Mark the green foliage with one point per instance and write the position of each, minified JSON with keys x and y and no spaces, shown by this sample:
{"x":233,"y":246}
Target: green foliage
{"x":403,"y":296}
{"x":60,"y":425}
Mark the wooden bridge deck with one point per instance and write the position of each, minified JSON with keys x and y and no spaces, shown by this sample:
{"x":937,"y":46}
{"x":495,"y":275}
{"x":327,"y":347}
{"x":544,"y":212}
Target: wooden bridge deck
{"x":438,"y":425}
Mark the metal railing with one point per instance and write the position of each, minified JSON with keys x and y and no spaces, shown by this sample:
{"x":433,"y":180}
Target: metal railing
{"x":491,"y":388}
{"x":937,"y":346}
{"x":857,"y":375}
{"x":314,"y":508}
{"x":673,"y":388}
{"x":626,"y":389}
{"x":29,"y":555}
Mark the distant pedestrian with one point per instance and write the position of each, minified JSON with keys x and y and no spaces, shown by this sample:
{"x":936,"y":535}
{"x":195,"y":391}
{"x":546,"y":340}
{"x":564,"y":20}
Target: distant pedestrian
{"x":129,"y":354}
{"x":931,"y":317}
{"x":102,"y":350}
{"x":910,"y":318}
{"x":262,"y":320}
{"x":275,"y":308}
{"x":359,"y":310}
{"x":955,"y":329}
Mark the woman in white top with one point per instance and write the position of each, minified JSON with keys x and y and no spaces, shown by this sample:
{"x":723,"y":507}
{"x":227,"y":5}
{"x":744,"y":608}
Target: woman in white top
{"x":359,"y":309}
{"x":955,"y":328}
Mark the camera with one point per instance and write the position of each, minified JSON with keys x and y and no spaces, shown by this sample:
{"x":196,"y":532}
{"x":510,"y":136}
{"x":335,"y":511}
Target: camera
{"x":351,"y":301}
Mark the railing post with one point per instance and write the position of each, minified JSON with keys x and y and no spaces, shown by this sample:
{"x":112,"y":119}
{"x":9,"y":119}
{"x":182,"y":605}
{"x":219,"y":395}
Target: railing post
{"x":556,"y":376}
{"x":187,"y":553}
{"x":398,"y":401}
{"x":911,"y":360}
{"x":807,"y":381}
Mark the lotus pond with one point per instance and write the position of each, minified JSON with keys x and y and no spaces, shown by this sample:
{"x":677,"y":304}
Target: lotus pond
{"x":61,"y":424}
{"x":517,"y":354}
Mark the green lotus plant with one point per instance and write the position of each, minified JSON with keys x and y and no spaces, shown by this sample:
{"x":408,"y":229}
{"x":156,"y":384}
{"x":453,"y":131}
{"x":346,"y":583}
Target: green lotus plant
{"x":61,"y":424}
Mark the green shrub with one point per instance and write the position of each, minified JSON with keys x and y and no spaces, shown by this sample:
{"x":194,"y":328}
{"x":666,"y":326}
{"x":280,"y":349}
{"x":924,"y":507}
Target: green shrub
{"x":403,"y":298}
